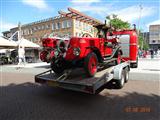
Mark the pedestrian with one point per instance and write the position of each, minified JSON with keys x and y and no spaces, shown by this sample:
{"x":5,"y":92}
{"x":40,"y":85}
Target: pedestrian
{"x":140,"y":53}
{"x":144,"y":54}
{"x":152,"y":53}
{"x":21,"y":56}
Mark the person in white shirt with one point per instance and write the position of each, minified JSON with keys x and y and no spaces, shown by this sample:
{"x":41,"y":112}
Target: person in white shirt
{"x":21,"y":56}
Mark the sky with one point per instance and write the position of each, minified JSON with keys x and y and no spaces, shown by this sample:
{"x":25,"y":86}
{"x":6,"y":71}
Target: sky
{"x":140,"y":12}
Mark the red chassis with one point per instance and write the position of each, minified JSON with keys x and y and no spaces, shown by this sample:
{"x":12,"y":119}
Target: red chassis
{"x":80,"y":52}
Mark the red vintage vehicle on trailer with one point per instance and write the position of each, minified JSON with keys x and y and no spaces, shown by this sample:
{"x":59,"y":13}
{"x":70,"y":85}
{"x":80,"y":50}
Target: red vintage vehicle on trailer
{"x":85,"y":52}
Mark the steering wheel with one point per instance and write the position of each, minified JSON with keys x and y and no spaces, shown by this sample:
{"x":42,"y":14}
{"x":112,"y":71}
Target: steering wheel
{"x":86,"y":35}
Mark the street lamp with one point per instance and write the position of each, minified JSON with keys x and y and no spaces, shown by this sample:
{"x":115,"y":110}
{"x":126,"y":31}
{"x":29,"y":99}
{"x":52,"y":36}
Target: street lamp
{"x":140,"y":6}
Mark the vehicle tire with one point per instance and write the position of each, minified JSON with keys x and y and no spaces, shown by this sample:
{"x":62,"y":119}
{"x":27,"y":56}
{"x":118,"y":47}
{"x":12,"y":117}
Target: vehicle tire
{"x":57,"y":66}
{"x":120,"y":83}
{"x":90,"y":64}
{"x":134,"y":65}
{"x":126,"y":70}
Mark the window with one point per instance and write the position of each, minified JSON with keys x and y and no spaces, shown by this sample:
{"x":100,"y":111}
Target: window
{"x":57,"y":25}
{"x":35,"y":28}
{"x":66,"y":24}
{"x":77,"y":24}
{"x":39,"y":27}
{"x":31,"y":31}
{"x":47,"y":26}
{"x":69,"y":23}
{"x":153,"y":41}
{"x":22,"y":32}
{"x":42,"y":27}
{"x":53,"y":26}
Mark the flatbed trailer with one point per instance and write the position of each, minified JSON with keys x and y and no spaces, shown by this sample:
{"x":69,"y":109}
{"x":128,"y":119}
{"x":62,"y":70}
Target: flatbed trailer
{"x":77,"y":81}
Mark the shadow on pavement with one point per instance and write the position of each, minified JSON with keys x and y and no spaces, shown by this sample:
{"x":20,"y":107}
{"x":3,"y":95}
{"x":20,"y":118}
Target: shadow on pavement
{"x":30,"y":101}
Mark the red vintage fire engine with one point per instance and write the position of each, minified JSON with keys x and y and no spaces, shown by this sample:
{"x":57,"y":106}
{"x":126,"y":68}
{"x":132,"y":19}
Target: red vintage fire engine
{"x":90,"y":53}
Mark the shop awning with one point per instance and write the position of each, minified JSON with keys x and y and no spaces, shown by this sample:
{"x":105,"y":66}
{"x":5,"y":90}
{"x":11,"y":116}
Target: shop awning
{"x":4,"y":43}
{"x":27,"y":44}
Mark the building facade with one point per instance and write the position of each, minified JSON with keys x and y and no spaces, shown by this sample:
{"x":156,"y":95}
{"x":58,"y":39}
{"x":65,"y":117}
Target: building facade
{"x":154,"y":36}
{"x":61,"y":26}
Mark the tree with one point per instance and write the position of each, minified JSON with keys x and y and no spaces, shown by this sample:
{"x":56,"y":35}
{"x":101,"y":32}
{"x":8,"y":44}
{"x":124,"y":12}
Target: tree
{"x":142,"y":44}
{"x":117,"y":23}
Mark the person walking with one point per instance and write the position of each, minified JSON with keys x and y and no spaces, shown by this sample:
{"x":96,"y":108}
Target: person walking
{"x":152,"y":53}
{"x":21,"y":56}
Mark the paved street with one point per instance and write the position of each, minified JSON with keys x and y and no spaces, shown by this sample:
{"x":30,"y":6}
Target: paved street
{"x":22,"y":99}
{"x":148,"y":69}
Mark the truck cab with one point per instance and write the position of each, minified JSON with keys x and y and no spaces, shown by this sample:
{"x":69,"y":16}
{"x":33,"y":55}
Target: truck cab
{"x":128,"y":40}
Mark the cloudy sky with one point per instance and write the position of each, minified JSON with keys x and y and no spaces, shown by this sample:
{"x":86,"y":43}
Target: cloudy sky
{"x":26,"y":11}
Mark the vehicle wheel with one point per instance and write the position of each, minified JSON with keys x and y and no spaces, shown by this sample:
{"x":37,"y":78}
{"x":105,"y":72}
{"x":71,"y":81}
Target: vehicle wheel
{"x":90,"y":64}
{"x":57,"y":66}
{"x":134,"y":65}
{"x":120,"y":83}
{"x":126,"y":74}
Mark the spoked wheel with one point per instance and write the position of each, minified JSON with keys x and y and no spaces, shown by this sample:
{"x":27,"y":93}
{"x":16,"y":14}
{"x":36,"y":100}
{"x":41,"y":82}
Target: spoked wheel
{"x":90,"y":64}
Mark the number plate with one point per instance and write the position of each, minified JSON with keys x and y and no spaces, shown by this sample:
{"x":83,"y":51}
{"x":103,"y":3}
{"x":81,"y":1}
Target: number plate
{"x":52,"y":83}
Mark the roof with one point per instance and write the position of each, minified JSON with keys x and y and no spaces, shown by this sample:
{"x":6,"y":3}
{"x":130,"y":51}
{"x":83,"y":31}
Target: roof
{"x":27,"y":43}
{"x":5,"y":43}
{"x":80,"y":16}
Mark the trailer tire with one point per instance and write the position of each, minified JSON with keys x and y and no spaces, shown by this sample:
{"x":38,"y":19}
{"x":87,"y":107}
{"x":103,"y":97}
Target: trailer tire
{"x":90,"y":64}
{"x":120,"y":83}
{"x":126,"y":70}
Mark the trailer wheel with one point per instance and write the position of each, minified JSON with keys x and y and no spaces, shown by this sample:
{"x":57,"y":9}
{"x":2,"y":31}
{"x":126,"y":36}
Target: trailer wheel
{"x":120,"y":83}
{"x":90,"y":64}
{"x":126,"y":70}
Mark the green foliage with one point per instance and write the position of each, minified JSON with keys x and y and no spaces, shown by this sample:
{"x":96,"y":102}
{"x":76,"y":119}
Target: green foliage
{"x":142,"y":43}
{"x":117,"y":23}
